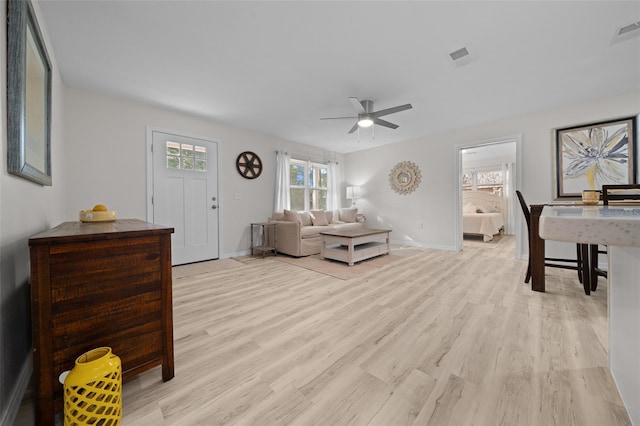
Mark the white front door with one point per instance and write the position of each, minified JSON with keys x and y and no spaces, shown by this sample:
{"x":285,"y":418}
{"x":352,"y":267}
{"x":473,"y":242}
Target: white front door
{"x":185,"y":194}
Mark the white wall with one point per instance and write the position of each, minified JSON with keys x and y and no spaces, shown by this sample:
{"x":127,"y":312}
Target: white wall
{"x":434,"y":203}
{"x":26,"y":208}
{"x":106,"y":153}
{"x":490,"y":157}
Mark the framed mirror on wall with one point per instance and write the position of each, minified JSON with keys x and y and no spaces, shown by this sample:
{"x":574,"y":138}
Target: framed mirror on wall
{"x":405,"y":177}
{"x":28,"y":96}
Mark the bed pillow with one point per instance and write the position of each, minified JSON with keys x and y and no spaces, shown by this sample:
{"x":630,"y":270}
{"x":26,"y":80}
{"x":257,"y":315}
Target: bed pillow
{"x":486,"y":209}
{"x":318,"y":218}
{"x":291,"y":216}
{"x":348,"y":215}
{"x":469,"y":209}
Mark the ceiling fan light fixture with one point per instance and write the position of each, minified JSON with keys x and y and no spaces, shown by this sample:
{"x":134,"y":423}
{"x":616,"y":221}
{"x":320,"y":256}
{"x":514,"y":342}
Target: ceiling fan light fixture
{"x":365,"y":122}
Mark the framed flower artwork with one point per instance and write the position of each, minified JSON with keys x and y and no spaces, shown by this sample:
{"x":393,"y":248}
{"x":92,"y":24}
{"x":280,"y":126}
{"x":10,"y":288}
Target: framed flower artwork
{"x":592,"y":155}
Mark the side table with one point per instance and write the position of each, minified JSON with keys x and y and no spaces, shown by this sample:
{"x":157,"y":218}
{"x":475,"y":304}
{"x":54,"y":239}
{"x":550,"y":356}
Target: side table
{"x":261,"y":243}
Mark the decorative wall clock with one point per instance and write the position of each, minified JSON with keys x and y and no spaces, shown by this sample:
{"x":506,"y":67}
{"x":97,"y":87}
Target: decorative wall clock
{"x":405,"y":177}
{"x":249,"y":165}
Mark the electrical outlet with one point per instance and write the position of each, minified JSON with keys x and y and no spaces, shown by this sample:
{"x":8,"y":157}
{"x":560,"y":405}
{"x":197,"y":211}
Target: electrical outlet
{"x":420,"y":224}
{"x":236,"y":196}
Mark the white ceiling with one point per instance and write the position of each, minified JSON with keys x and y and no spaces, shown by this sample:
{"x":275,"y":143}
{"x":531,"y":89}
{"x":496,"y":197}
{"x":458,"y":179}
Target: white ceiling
{"x":278,"y":67}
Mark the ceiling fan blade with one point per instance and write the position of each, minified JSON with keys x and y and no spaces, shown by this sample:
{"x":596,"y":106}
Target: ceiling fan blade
{"x":337,"y":118}
{"x":388,"y":111}
{"x":383,"y":123}
{"x":354,"y":128}
{"x":357,"y":105}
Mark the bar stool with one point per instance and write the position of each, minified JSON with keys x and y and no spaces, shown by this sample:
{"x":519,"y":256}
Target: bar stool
{"x":564,"y":263}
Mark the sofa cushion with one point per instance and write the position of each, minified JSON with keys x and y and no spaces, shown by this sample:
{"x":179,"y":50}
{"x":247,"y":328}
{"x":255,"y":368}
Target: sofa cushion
{"x":291,"y":216}
{"x":335,"y":217}
{"x":305,"y":218}
{"x":312,"y":231}
{"x":348,"y":215}
{"x":345,"y":226}
{"x":329,"y":215}
{"x":318,"y":218}
{"x":278,"y":216}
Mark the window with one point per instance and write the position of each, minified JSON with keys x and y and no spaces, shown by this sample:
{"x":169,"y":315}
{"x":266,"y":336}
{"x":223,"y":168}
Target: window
{"x":186,"y":157}
{"x":485,"y":179}
{"x":309,"y":184}
{"x":489,"y":181}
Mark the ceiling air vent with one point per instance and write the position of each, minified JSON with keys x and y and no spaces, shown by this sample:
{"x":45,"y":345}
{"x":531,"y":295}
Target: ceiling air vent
{"x":625,"y":32}
{"x":461,"y":56}
{"x":627,"y":28}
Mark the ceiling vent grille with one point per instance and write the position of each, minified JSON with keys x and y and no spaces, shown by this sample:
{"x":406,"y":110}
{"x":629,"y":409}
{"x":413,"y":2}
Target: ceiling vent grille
{"x":460,"y":56}
{"x":626,"y":32}
{"x":628,"y":28}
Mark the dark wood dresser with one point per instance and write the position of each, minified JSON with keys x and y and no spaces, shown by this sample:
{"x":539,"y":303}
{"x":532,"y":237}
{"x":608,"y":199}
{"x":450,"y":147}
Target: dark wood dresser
{"x":99,"y":284}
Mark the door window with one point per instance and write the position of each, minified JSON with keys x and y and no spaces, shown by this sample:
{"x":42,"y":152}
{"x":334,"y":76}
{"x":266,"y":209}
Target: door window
{"x":184,"y":156}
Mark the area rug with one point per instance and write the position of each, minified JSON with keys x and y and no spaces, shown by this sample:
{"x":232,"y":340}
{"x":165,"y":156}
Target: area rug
{"x":343,"y":271}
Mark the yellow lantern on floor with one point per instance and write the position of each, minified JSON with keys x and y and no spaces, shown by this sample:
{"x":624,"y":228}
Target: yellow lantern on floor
{"x":93,"y":389}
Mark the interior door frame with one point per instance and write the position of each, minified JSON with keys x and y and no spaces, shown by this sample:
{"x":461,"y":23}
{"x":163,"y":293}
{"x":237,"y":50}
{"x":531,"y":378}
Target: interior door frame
{"x":149,"y":150}
{"x":516,"y":185}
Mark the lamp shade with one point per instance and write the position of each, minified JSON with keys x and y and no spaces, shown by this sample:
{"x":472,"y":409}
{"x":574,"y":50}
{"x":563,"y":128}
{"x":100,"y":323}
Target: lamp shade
{"x":353,"y":192}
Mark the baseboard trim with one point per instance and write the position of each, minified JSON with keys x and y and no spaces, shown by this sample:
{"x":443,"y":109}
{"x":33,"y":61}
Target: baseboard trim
{"x":8,"y":416}
{"x":236,"y":254}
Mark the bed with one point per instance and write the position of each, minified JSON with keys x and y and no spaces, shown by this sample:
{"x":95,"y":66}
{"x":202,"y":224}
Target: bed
{"x":482,"y":214}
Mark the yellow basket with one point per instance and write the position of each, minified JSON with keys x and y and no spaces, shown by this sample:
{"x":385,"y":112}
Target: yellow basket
{"x":93,"y":390}
{"x":91,"y":216}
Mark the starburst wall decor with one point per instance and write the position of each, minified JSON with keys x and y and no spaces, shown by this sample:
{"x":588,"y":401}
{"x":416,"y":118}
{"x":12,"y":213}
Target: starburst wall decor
{"x":593,"y":155}
{"x":405,"y":177}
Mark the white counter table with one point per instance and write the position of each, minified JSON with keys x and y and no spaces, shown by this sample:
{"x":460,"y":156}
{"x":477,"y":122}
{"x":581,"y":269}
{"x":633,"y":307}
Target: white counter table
{"x":619,"y":228}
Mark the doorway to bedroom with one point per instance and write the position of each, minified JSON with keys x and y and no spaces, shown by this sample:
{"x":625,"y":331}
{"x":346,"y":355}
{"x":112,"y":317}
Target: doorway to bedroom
{"x":488,"y":174}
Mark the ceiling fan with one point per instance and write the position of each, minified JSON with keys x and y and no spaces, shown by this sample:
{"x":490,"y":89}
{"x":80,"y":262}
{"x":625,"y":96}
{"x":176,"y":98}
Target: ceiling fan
{"x":367,"y":116}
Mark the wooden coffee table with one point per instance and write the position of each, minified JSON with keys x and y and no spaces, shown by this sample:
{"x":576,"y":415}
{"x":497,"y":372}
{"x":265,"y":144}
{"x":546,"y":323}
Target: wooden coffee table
{"x":354,"y":245}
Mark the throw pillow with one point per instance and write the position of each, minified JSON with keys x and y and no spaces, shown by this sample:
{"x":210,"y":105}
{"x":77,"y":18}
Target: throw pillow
{"x":291,"y":216}
{"x":319,"y":218}
{"x":348,"y":215}
{"x":305,"y":218}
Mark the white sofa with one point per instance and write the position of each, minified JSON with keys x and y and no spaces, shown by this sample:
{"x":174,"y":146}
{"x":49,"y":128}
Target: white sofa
{"x":298,"y":233}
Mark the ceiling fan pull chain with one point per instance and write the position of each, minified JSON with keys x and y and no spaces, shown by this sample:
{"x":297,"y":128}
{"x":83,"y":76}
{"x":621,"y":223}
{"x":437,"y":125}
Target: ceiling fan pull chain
{"x":373,"y":133}
{"x":358,"y":134}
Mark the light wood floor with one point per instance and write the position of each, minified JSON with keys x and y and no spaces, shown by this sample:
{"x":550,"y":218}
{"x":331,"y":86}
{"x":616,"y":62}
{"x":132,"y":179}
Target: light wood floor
{"x":440,"y":338}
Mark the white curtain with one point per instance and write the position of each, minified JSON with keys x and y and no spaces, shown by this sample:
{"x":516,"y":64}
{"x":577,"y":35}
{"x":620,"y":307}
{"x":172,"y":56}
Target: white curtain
{"x":334,"y":199}
{"x":283,"y":167}
{"x":508,"y":175}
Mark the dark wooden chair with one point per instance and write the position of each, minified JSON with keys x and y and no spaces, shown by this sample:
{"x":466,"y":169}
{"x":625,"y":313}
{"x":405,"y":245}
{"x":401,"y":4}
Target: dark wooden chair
{"x":613,"y":193}
{"x":552,"y":262}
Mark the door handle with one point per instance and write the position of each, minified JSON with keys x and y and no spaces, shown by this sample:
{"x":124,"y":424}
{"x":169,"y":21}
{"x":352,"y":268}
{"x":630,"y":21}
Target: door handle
{"x":214,"y":207}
